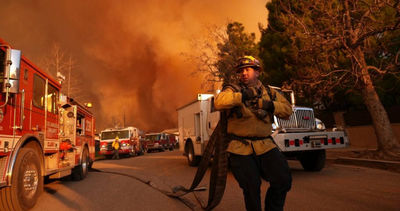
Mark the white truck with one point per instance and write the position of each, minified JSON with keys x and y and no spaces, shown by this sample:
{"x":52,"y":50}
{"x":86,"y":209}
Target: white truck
{"x":301,"y":137}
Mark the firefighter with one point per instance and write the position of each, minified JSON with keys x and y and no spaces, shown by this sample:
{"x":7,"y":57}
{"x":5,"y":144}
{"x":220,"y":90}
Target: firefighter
{"x":115,"y":146}
{"x":253,"y":154}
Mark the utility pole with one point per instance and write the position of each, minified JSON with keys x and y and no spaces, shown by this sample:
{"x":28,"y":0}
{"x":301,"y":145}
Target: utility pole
{"x":124,"y":119}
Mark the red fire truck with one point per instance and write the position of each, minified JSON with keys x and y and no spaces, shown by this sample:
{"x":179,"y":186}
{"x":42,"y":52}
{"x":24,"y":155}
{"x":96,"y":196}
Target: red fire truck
{"x":42,"y":133}
{"x":129,"y":139}
{"x":159,"y":142}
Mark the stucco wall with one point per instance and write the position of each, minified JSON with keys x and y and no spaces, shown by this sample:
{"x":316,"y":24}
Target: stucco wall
{"x":364,"y":136}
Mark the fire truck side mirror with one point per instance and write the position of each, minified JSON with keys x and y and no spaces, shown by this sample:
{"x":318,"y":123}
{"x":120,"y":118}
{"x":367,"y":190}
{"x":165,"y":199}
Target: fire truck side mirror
{"x":11,"y":71}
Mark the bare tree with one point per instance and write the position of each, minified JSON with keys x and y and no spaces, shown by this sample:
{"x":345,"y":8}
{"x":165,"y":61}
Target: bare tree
{"x":58,"y":62}
{"x":346,"y":44}
{"x":55,"y":62}
{"x":218,"y":52}
{"x":205,"y":58}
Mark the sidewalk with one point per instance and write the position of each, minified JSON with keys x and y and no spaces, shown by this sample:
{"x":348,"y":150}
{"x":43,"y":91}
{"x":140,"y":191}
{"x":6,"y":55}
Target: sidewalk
{"x":349,"y":156}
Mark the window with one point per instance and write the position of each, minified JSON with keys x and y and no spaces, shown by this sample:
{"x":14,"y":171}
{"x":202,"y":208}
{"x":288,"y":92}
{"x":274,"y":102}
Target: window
{"x":122,"y":134}
{"x":52,"y":99}
{"x":212,"y":107}
{"x":155,"y":137}
{"x":38,"y":91}
{"x":80,"y":125}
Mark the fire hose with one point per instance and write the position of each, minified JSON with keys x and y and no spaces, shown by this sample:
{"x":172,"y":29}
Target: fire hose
{"x":150,"y":183}
{"x":216,"y":149}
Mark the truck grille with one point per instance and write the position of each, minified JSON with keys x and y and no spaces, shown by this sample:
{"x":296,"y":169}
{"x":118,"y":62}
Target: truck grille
{"x":109,"y":146}
{"x":302,"y":118}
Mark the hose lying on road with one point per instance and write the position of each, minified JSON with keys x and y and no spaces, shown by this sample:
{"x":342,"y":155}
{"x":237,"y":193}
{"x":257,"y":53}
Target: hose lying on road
{"x":187,"y":202}
{"x":217,"y":145}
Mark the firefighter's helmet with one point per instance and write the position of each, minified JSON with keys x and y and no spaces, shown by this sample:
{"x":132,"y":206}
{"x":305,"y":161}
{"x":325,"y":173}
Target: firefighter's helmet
{"x":248,"y":61}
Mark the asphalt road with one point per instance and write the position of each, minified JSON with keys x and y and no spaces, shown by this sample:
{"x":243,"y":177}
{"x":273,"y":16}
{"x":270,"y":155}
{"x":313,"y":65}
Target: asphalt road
{"x":336,"y":187}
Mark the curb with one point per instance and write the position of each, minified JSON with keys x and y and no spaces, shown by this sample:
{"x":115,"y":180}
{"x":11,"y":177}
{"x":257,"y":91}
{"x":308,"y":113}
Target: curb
{"x":393,"y":166}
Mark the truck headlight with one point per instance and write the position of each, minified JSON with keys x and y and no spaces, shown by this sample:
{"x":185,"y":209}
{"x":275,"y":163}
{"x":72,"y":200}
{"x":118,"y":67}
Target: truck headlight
{"x":103,"y":146}
{"x":319,"y":124}
{"x":124,"y":144}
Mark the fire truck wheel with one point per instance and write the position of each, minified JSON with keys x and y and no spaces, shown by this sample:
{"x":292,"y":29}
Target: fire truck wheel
{"x":81,"y":171}
{"x":313,"y":160}
{"x":193,"y":160}
{"x":27,"y":182}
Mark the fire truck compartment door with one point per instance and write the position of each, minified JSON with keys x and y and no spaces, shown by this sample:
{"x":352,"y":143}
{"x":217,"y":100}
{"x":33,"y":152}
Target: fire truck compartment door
{"x":68,"y":123}
{"x":68,"y":133}
{"x":198,"y":133}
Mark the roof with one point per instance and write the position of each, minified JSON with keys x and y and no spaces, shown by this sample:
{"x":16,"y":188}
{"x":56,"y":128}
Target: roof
{"x":173,"y":131}
{"x":151,"y":134}
{"x":119,"y":129}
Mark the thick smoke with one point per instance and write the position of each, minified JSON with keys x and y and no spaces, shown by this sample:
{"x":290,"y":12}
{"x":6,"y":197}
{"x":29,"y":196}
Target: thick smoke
{"x":128,"y":52}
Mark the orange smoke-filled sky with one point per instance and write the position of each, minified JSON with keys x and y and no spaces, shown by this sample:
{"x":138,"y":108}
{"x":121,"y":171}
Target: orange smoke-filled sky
{"x":128,"y":53}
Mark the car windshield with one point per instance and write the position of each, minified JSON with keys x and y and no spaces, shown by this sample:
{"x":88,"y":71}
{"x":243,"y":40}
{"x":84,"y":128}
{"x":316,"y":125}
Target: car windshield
{"x":122,"y":134}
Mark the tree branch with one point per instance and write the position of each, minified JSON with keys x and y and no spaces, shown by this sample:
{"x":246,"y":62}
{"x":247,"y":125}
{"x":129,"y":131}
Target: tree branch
{"x":335,"y":71}
{"x":376,"y":69}
{"x":375,"y":32}
{"x":306,"y":31}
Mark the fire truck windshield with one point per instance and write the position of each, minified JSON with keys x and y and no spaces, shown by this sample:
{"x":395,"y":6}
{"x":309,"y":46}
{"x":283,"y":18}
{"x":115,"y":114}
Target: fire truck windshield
{"x":156,"y":137}
{"x":122,"y":134}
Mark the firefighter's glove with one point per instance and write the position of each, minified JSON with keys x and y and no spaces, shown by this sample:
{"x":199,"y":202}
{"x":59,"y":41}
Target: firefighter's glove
{"x":261,"y":114}
{"x":248,"y":94}
{"x":266,"y":105}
